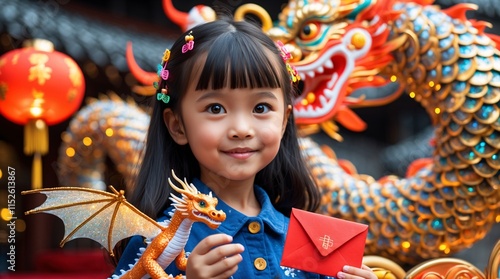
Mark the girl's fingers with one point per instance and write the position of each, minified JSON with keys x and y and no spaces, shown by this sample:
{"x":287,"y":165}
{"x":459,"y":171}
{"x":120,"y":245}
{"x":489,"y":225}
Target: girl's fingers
{"x":217,"y":247}
{"x":226,"y":267}
{"x":209,"y":242}
{"x":365,"y":267}
{"x":214,"y":257}
{"x":222,"y":269}
{"x":370,"y":274}
{"x":354,"y":272}
{"x":221,"y":253}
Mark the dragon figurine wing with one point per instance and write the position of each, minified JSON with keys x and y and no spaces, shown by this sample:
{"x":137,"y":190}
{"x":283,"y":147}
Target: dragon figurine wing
{"x":101,"y":216}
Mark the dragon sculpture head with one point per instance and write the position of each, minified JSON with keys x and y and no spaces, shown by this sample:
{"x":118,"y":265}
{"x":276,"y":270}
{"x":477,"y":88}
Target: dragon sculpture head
{"x":338,"y":46}
{"x":196,"y":206}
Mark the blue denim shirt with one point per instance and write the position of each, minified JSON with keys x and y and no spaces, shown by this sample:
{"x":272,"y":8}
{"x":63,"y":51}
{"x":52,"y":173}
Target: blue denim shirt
{"x":265,"y":243}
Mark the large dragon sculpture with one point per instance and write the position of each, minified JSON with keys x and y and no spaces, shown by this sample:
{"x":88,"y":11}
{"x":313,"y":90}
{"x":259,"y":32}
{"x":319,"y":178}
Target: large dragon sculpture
{"x":440,"y":58}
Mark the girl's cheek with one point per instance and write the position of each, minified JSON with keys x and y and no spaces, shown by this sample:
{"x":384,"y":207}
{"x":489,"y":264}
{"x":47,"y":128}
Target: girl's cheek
{"x":271,"y":135}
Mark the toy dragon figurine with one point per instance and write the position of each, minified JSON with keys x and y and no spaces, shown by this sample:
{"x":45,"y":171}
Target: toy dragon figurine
{"x":83,"y":210}
{"x":439,"y":57}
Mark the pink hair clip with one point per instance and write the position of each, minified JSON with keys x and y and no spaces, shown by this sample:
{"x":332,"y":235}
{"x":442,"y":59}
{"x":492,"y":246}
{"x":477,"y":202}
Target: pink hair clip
{"x":189,"y":42}
{"x":286,"y":55}
{"x":164,"y":73}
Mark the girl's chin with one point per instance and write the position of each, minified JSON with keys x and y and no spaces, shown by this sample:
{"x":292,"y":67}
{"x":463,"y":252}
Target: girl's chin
{"x":222,"y":178}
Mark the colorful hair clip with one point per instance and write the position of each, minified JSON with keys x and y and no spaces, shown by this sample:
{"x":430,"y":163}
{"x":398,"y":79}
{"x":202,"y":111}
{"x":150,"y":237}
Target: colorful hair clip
{"x":163,"y":73}
{"x":189,"y":42}
{"x":163,"y":96}
{"x":294,"y":75}
{"x":166,"y":55}
{"x":286,"y":55}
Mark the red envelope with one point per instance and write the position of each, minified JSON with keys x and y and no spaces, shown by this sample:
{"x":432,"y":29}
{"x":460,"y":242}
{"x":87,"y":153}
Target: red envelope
{"x":322,"y":244}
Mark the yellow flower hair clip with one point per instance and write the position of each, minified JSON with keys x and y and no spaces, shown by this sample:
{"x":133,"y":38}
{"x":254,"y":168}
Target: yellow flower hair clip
{"x":286,"y":55}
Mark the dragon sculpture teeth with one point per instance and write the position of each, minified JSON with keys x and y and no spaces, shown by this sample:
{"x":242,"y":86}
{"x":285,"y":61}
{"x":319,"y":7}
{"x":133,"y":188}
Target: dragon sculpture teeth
{"x":439,"y":58}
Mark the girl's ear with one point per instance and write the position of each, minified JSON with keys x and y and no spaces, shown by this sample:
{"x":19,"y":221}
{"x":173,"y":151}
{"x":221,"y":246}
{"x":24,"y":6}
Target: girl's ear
{"x":174,"y":127}
{"x":285,"y":120}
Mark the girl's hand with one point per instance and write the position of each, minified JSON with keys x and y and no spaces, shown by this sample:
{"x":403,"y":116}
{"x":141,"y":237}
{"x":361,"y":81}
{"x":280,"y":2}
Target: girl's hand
{"x":214,"y":257}
{"x":350,"y":272}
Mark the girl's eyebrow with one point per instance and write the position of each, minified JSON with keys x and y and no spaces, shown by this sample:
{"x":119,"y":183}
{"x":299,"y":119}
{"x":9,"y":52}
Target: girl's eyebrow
{"x":208,"y":95}
{"x":267,"y":94}
{"x":215,"y":94}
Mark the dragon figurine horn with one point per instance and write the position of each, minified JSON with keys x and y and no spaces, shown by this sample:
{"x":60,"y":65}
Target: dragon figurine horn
{"x":188,"y":189}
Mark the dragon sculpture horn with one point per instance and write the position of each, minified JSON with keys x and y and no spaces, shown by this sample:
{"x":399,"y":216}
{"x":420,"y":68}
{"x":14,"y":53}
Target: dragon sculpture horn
{"x":176,"y":16}
{"x":261,"y":13}
{"x":144,"y":77}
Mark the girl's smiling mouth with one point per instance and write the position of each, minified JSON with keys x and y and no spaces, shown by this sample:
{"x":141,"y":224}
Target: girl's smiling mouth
{"x":240,"y":153}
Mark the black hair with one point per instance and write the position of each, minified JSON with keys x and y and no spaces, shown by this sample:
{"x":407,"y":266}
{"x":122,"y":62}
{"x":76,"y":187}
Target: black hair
{"x":238,"y":55}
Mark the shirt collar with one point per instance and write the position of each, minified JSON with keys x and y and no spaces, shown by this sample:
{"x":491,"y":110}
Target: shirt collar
{"x":235,"y":219}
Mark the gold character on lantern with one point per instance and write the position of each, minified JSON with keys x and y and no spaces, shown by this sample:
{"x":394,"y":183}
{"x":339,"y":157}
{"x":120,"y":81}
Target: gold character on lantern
{"x":39,"y":71}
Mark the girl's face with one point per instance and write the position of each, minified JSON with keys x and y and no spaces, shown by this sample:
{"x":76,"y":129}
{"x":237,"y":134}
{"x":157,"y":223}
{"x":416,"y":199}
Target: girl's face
{"x":233,"y":133}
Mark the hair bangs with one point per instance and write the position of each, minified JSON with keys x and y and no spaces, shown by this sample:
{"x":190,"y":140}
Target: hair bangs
{"x":236,"y":61}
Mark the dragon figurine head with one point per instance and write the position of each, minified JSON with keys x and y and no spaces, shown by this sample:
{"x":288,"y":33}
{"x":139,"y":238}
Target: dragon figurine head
{"x":338,"y":46}
{"x":196,"y":206}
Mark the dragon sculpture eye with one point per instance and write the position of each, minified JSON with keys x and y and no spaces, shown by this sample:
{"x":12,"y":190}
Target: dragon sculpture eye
{"x":309,"y":31}
{"x":202,"y":204}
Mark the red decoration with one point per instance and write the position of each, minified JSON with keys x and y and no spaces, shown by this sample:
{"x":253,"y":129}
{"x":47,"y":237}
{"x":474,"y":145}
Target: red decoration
{"x":39,"y":84}
{"x":39,"y":87}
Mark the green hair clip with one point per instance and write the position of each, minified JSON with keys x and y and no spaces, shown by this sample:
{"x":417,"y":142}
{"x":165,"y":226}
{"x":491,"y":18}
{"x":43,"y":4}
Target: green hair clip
{"x":162,"y":96}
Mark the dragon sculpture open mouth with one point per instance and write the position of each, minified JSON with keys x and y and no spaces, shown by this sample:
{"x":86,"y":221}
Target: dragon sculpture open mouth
{"x":335,"y":55}
{"x":324,"y":77}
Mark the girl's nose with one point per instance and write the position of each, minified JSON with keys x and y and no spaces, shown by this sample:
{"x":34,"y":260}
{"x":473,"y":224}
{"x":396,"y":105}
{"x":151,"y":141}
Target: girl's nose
{"x":242,"y":128}
{"x":242,"y":133}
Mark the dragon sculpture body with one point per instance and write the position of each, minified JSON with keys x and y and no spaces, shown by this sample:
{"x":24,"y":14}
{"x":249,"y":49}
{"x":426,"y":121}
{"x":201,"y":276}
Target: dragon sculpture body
{"x":83,"y":210}
{"x":439,"y":57}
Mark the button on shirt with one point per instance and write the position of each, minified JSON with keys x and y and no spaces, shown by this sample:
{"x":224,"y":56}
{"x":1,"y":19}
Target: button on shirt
{"x":263,"y":237}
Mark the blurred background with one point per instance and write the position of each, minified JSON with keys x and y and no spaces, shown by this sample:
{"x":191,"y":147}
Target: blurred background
{"x":95,"y":33}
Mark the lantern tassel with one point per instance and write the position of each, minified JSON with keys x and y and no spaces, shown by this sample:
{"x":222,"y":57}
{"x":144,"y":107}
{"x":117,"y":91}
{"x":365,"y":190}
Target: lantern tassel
{"x":36,"y":141}
{"x":36,"y":172}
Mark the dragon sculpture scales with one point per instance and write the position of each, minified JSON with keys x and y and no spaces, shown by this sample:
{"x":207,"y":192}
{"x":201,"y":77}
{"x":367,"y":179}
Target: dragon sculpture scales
{"x":439,"y":57}
{"x":83,"y":210}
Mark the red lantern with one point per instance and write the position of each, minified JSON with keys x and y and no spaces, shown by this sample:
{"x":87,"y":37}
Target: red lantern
{"x":39,"y":87}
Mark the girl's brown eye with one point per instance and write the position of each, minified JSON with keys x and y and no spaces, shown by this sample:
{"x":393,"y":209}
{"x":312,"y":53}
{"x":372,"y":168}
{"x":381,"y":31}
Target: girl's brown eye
{"x":216,"y":109}
{"x":261,"y":108}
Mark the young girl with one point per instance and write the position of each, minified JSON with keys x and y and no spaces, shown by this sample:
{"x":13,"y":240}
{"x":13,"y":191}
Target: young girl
{"x":223,"y":119}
